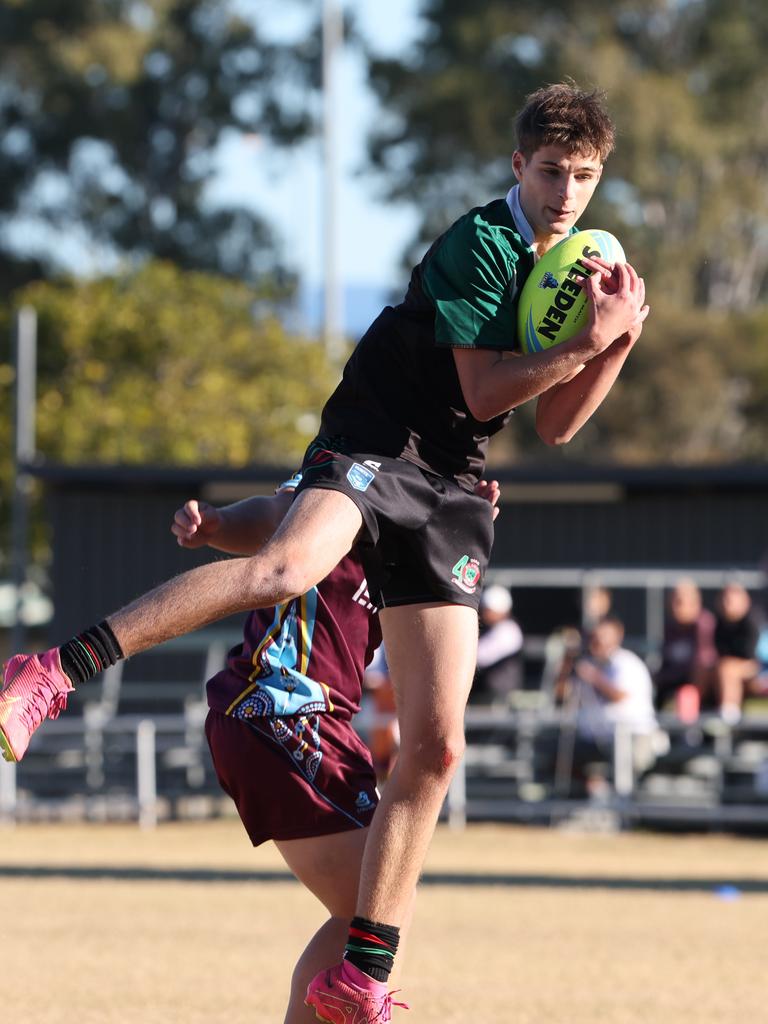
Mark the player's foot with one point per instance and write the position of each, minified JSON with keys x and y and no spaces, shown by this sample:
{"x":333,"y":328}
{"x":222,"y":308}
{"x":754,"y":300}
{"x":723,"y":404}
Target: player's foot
{"x":35,"y":687}
{"x":345,"y":995}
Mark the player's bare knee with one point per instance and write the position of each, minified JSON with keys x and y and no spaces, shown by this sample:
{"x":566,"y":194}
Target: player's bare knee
{"x":282,"y":578}
{"x":436,"y":757}
{"x":451,"y":753}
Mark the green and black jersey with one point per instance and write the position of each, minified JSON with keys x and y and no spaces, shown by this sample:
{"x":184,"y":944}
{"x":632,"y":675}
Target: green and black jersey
{"x":400,"y":393}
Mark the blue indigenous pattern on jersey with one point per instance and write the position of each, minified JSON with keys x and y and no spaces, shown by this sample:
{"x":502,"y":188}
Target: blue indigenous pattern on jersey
{"x":304,"y":657}
{"x":279,"y":687}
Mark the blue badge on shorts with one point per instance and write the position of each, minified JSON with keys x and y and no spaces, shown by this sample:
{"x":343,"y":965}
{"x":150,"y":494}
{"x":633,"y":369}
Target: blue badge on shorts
{"x":359,"y":477}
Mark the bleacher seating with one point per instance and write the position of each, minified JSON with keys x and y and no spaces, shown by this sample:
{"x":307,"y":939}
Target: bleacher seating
{"x":87,"y":761}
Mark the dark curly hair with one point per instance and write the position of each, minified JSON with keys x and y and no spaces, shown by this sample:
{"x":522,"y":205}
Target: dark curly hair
{"x":564,"y":115}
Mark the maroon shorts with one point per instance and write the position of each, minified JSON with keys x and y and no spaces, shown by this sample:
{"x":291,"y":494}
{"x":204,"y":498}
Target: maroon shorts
{"x":293,"y":778}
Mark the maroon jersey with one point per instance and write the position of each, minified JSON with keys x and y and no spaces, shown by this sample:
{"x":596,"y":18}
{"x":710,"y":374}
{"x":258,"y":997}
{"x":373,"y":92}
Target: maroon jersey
{"x":304,"y":657}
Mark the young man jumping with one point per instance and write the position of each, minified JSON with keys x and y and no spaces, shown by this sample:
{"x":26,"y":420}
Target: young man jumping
{"x":279,"y":725}
{"x":403,"y":440}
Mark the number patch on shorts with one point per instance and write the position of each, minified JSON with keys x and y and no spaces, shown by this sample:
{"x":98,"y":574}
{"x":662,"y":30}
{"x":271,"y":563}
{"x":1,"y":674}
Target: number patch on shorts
{"x":466,"y":574}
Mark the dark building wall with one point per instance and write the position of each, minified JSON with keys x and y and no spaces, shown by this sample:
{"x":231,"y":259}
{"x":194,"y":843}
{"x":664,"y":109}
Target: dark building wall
{"x":111,"y":536}
{"x":703,"y":528}
{"x":109,"y":548}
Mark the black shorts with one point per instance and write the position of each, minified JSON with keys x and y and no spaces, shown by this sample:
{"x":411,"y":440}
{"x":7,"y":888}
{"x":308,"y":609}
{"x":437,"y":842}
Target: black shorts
{"x":293,"y":778}
{"x":426,"y":539}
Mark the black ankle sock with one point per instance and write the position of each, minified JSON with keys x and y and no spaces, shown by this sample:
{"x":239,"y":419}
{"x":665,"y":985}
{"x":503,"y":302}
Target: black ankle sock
{"x":371,"y":947}
{"x":89,"y":653}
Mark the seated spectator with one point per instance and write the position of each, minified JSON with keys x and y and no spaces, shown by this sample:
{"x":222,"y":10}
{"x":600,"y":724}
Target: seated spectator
{"x":565,"y":644}
{"x":688,"y":654}
{"x":597,"y":604}
{"x":607,"y":687}
{"x":499,"y":648}
{"x":736,"y":634}
{"x":760,"y":686}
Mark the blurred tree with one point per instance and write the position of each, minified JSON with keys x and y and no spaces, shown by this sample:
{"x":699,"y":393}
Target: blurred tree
{"x":686,"y":190}
{"x":166,"y":366}
{"x":111,"y":111}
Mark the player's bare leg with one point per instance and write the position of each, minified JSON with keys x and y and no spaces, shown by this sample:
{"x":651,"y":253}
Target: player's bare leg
{"x":431,"y":651}
{"x":320,"y":528}
{"x":329,"y":866}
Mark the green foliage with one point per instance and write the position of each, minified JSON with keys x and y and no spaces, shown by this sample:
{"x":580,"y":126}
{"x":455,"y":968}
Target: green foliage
{"x":686,"y":82}
{"x":163,"y":366}
{"x":686,"y":190}
{"x":111,"y":114}
{"x":674,"y":401}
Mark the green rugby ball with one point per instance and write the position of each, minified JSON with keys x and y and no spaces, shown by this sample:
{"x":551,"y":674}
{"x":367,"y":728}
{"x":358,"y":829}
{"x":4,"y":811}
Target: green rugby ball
{"x":553,"y":306}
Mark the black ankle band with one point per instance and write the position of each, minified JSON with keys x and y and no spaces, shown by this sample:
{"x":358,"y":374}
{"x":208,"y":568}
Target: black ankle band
{"x":89,"y":653}
{"x":371,"y":947}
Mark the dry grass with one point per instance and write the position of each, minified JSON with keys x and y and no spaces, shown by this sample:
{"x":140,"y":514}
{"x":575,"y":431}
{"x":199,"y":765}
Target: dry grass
{"x":560,"y":937}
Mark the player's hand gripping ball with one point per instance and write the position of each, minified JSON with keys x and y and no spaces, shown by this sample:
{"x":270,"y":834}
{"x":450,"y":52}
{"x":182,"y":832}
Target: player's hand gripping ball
{"x":553,"y":304}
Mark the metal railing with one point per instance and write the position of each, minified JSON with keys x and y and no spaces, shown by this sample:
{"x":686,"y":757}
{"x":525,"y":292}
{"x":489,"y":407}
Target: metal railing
{"x":147,"y":733}
{"x":654,"y":581}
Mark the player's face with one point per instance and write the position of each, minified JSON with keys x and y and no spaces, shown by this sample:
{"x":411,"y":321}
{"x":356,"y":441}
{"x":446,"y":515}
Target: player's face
{"x":555,"y":188}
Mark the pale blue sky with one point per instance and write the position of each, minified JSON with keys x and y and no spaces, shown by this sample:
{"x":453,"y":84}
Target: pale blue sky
{"x":287,"y":186}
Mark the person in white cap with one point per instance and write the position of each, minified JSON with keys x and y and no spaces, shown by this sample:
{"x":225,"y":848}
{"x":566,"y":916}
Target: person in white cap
{"x":499,"y":650}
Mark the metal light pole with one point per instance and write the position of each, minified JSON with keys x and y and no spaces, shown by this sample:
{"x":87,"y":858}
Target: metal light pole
{"x":25,"y":360}
{"x":25,"y":352}
{"x":332,"y":39}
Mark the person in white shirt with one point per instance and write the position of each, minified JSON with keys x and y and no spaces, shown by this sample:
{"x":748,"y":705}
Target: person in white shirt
{"x":608,"y":686}
{"x":614,"y":685}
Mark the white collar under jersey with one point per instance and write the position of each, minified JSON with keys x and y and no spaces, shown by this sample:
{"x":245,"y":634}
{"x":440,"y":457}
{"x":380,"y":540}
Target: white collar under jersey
{"x":524,"y":228}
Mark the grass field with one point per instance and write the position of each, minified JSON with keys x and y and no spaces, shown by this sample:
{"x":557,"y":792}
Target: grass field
{"x":188,"y":924}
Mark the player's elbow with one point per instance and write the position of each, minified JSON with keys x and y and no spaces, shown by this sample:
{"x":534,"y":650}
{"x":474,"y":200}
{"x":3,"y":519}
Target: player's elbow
{"x":481,"y":407}
{"x":552,"y":426}
{"x":478,"y":411}
{"x":478,"y":373}
{"x":553,"y":436}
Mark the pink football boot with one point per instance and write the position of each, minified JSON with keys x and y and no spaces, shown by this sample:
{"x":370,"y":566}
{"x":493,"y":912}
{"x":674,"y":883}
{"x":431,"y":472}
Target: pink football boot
{"x":35,"y":687}
{"x":345,"y":995}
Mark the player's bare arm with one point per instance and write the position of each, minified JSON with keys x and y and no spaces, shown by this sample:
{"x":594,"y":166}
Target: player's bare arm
{"x":238,"y":529}
{"x":564,"y":409}
{"x":492,"y":384}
